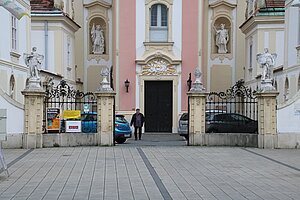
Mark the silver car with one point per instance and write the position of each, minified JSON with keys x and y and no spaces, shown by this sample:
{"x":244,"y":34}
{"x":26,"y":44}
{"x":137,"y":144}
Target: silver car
{"x":183,"y":121}
{"x":183,"y":125}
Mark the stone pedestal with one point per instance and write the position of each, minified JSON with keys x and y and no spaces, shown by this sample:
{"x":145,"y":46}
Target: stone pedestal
{"x":105,"y":117}
{"x":267,"y":120}
{"x":34,"y":102}
{"x":197,"y":101}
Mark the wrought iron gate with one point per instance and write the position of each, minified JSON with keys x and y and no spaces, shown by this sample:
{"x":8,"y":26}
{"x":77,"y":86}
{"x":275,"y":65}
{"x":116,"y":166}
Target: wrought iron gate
{"x":239,"y":99}
{"x":63,"y":97}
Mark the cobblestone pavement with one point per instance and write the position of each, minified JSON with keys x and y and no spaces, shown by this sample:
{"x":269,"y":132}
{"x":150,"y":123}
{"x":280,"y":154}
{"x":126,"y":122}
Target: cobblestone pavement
{"x":140,"y":170}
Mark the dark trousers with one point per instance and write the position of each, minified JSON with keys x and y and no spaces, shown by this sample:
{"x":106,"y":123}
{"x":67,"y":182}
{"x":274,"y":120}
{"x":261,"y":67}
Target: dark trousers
{"x":136,"y":129}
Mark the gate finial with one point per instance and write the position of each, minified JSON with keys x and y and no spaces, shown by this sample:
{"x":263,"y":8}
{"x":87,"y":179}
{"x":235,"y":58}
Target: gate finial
{"x":105,"y":84}
{"x":197,"y":85}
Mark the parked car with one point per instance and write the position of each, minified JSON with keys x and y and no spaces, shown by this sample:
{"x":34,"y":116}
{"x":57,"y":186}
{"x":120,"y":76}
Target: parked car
{"x":239,"y":123}
{"x":122,"y":129}
{"x":183,"y":121}
{"x":89,"y":125}
{"x":230,"y":123}
{"x":183,"y":125}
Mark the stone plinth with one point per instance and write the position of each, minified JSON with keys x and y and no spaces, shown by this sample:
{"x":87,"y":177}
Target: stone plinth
{"x":34,"y":102}
{"x":197,"y":101}
{"x":267,"y":120}
{"x":105,"y":117}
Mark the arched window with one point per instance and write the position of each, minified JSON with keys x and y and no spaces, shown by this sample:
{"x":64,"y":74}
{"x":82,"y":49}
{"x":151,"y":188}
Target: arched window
{"x":286,"y":90}
{"x":12,"y":85}
{"x":159,"y":23}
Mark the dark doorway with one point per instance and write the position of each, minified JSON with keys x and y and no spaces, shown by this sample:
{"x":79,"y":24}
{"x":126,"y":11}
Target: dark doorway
{"x":158,"y":106}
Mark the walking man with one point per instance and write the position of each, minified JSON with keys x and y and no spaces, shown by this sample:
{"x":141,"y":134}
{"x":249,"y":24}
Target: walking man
{"x":137,"y":121}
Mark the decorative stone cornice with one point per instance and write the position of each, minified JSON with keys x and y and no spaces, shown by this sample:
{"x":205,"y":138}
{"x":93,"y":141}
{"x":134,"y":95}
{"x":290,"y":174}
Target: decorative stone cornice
{"x":57,"y":19}
{"x":147,"y":2}
{"x":98,"y":2}
{"x":253,"y":21}
{"x":158,"y":50}
{"x":222,"y":2}
{"x":158,"y":54}
{"x":14,"y":54}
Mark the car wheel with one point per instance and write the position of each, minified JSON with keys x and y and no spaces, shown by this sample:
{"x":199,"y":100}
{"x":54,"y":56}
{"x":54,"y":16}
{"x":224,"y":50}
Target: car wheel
{"x":121,"y":140}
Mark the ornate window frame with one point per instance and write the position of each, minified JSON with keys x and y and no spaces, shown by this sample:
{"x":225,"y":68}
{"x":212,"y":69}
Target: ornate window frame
{"x":148,"y":5}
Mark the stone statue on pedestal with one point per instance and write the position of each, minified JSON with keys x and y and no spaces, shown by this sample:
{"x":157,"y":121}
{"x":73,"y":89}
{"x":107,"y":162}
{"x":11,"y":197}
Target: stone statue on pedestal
{"x":34,"y":63}
{"x":267,"y":62}
{"x":222,"y":38}
{"x":97,"y":37}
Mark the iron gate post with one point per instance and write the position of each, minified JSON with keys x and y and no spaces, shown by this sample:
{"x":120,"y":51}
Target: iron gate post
{"x":267,"y":120}
{"x":33,"y":129}
{"x":105,"y":117}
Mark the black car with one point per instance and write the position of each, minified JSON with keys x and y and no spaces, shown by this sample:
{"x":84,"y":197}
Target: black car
{"x":218,"y":121}
{"x":230,"y":123}
{"x":183,"y":121}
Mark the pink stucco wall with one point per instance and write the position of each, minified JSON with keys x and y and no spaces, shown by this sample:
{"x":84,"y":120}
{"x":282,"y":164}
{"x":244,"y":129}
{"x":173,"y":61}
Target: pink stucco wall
{"x":127,"y":53}
{"x":189,"y":44}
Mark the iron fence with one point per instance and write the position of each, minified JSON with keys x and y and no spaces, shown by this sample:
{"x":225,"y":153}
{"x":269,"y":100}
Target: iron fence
{"x":62,"y":98}
{"x":237,"y":106}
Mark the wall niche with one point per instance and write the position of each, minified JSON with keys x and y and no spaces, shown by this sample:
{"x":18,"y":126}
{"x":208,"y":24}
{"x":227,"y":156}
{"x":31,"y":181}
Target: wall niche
{"x":97,"y":29}
{"x":222,"y":25}
{"x":98,"y":43}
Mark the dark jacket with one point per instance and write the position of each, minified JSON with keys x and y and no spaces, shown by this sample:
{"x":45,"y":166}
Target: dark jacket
{"x":133,"y":119}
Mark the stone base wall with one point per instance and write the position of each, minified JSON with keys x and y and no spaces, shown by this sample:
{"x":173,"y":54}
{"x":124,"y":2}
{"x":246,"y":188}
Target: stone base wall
{"x":230,"y":139}
{"x":70,"y":139}
{"x":14,"y":141}
{"x":288,"y":141}
{"x":283,"y":141}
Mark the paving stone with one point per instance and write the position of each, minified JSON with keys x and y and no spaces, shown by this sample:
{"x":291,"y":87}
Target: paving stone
{"x":182,"y":172}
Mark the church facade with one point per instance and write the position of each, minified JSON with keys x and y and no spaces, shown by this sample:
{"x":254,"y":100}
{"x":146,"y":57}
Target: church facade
{"x":155,"y":46}
{"x":152,"y":49}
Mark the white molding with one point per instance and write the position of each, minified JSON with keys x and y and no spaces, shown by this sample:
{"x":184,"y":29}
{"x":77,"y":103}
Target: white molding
{"x":10,"y":100}
{"x":14,"y":65}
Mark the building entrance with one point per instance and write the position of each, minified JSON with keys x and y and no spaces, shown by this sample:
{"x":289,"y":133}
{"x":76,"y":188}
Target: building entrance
{"x":158,"y":106}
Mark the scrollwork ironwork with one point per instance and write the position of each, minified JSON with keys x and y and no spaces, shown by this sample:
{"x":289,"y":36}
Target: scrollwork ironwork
{"x":238,"y":90}
{"x":65,"y":91}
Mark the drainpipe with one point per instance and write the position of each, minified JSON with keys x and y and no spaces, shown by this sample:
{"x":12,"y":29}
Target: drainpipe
{"x":46,"y":44}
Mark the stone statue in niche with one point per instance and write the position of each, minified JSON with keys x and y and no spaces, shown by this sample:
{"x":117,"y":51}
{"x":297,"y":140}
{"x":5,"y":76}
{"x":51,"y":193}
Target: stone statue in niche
{"x":97,"y":37}
{"x":267,"y":62}
{"x":222,"y":38}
